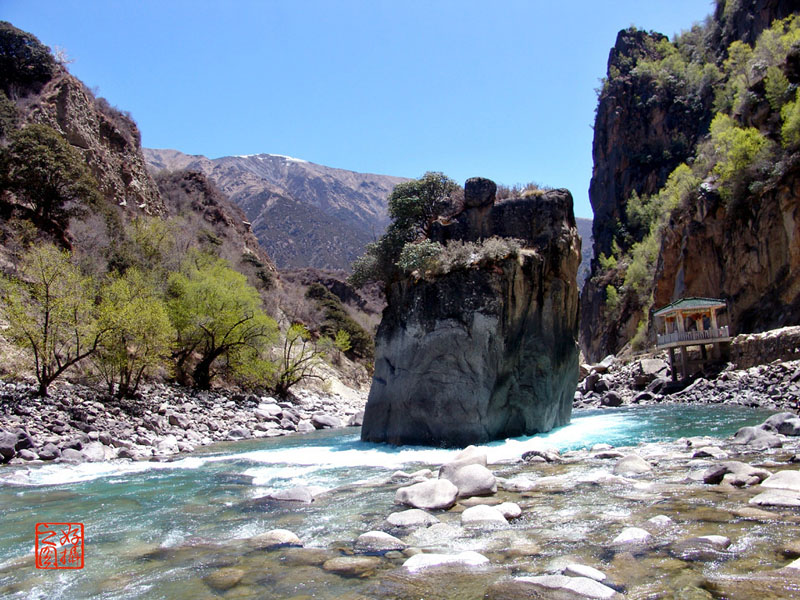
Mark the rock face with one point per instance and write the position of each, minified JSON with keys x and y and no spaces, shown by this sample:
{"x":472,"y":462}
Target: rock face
{"x":488,"y":351}
{"x":644,"y":130}
{"x":108,"y":139}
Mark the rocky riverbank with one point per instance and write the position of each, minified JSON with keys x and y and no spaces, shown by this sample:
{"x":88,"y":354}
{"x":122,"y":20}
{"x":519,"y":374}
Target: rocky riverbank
{"x":76,"y":423}
{"x":611,"y":383}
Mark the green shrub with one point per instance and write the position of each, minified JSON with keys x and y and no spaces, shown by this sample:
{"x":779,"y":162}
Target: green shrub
{"x":790,"y":130}
{"x":736,"y":150}
{"x":612,"y":299}
{"x":776,"y":87}
{"x":419,"y":256}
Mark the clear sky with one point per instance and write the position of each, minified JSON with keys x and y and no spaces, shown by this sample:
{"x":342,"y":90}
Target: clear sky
{"x":501,"y":89}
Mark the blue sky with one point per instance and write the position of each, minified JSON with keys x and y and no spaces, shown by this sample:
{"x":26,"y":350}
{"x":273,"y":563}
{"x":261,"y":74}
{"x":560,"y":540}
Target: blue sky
{"x":501,"y":89}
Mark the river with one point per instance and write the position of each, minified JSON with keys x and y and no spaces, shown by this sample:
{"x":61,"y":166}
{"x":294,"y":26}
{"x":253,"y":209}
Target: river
{"x":155,"y":529}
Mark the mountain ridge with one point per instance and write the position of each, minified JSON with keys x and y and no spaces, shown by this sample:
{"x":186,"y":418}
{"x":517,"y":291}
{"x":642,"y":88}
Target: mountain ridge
{"x":303,"y":213}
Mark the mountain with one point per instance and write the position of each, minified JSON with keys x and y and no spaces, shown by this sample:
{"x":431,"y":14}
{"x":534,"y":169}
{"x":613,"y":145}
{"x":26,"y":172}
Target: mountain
{"x":304,"y":214}
{"x":696,"y":175}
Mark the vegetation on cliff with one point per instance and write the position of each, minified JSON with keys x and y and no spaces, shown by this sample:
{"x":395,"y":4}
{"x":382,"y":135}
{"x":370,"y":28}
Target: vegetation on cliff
{"x":113,"y":277}
{"x":731,"y":133}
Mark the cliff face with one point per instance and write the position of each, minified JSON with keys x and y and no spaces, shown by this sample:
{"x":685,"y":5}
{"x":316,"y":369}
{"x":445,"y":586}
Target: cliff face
{"x":752,"y":261}
{"x":489,"y":351}
{"x":108,"y":139}
{"x":651,"y":117}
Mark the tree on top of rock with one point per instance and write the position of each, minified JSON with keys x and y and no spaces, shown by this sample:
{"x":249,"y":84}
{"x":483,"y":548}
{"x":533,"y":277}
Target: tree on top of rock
{"x":413,"y":206}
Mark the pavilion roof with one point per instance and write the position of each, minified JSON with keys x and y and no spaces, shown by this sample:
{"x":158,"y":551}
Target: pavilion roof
{"x":691,"y":303}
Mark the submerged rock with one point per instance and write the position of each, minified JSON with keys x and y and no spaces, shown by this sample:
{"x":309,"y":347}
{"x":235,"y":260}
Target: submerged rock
{"x":550,"y":587}
{"x":424,"y":561}
{"x":488,"y":351}
{"x":378,"y":542}
{"x":413,"y":517}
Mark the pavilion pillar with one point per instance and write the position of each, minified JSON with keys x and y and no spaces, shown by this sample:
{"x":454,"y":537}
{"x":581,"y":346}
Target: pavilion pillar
{"x":714,"y":325}
{"x":684,"y":363}
{"x":672,"y":365}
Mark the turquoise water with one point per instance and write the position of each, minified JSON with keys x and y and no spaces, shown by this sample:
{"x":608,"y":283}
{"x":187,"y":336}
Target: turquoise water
{"x":154,"y":528}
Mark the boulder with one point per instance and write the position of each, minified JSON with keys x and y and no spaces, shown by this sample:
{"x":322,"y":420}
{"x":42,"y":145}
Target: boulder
{"x":239,"y":433}
{"x":482,"y":515}
{"x":356,"y":420}
{"x":485,"y":352}
{"x":378,"y":542}
{"x":479,"y":191}
{"x":777,"y":497}
{"x":325,"y":421}
{"x":24,"y":441}
{"x":579,"y":570}
{"x":26,"y":454}
{"x":431,"y":495}
{"x":648,"y":369}
{"x":304,"y":426}
{"x":471,"y":455}
{"x":275,"y":538}
{"x":413,"y":517}
{"x":352,"y":566}
{"x":71,"y":455}
{"x":298,"y":493}
{"x":758,"y":437}
{"x":167,"y":445}
{"x":424,"y":561}
{"x":632,"y":464}
{"x":660,"y":521}
{"x":611,"y":399}
{"x":735,"y":473}
{"x":8,"y":442}
{"x":177,"y":420}
{"x":550,"y":455}
{"x":632,"y":536}
{"x":710,"y":452}
{"x":550,"y":587}
{"x":785,"y":480}
{"x":704,"y":548}
{"x":224,"y":579}
{"x":510,"y":510}
{"x":473,"y":480}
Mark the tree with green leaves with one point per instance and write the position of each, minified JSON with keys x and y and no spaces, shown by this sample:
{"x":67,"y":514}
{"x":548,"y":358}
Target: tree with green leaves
{"x":216,"y":315}
{"x":139,"y":333}
{"x":50,"y":311}
{"x":298,"y":358}
{"x":25,"y":62}
{"x":47,"y":176}
{"x":413,"y":207}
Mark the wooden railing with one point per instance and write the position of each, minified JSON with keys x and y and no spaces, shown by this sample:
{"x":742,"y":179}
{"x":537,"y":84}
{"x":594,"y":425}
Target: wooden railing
{"x":708,"y":335}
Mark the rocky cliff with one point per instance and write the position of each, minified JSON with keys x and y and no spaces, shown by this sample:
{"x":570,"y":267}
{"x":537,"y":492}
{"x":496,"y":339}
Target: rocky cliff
{"x":304,"y":214}
{"x":108,"y":139}
{"x":654,"y":115}
{"x":487,"y":351}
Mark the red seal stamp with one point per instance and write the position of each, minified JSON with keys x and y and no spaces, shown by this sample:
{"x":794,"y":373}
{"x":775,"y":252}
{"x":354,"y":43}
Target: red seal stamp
{"x":59,"y":545}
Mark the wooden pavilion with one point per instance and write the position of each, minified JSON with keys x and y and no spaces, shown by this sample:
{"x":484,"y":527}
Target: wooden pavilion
{"x":692,"y":322}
